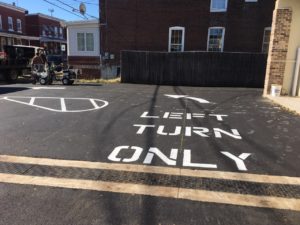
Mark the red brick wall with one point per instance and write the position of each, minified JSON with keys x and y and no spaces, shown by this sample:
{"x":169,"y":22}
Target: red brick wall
{"x":89,"y":66}
{"x":6,"y":12}
{"x":144,"y":24}
{"x":85,"y":60}
{"x":35,"y":25}
{"x":278,"y":48}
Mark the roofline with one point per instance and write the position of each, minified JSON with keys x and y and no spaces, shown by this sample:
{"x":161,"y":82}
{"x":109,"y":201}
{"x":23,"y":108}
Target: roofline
{"x":82,"y":22}
{"x":47,"y":17}
{"x":13,"y":7}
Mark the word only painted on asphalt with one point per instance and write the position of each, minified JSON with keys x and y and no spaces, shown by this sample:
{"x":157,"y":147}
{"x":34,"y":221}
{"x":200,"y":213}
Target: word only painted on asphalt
{"x":64,"y":103}
{"x":133,"y":154}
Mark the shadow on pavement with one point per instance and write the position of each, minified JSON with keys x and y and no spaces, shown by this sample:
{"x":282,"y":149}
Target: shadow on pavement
{"x":5,"y":90}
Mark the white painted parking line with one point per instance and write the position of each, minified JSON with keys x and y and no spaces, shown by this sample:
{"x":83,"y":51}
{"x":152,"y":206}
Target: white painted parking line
{"x":63,"y":105}
{"x":32,"y":101}
{"x":200,"y":100}
{"x":96,"y":104}
{"x":47,"y":88}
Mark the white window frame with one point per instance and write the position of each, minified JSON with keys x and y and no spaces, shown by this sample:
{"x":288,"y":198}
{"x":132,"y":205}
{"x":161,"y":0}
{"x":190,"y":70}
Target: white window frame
{"x":19,"y":25}
{"x":216,"y":9}
{"x":1,"y":23}
{"x":86,"y":42}
{"x":10,"y":23}
{"x":223,"y":37}
{"x":77,"y":39}
{"x":183,"y":37}
{"x":264,"y":42}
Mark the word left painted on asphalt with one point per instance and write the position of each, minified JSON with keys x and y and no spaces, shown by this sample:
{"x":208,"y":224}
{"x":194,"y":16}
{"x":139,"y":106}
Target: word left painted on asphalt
{"x":130,"y":154}
{"x":181,"y":116}
{"x":187,"y":131}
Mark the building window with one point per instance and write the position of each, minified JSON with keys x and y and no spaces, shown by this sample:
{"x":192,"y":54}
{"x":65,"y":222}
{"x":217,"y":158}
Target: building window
{"x":89,"y":41}
{"x":51,"y":31}
{"x":85,"y":42}
{"x":44,"y":28}
{"x":10,"y":24}
{"x":176,"y":39}
{"x":218,"y":5}
{"x":61,"y":32}
{"x":266,"y":40}
{"x":19,"y":26}
{"x":0,"y":22}
{"x":56,"y":31}
{"x":215,"y":40}
{"x":80,"y":42}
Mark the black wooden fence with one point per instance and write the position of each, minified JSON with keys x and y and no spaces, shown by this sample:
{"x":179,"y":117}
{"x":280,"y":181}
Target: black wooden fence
{"x":209,"y":69}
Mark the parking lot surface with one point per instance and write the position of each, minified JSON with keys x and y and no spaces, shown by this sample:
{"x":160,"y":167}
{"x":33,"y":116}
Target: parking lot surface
{"x":139,"y":154}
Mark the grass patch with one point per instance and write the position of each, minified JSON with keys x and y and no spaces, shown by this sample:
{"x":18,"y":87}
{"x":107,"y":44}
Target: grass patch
{"x":100,"y":81}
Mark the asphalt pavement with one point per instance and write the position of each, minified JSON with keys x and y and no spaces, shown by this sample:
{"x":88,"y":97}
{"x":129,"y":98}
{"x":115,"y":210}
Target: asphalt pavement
{"x":141,"y":154}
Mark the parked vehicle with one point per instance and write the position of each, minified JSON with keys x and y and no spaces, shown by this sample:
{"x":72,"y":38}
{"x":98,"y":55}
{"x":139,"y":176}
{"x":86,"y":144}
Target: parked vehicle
{"x":45,"y":74}
{"x":59,"y":61}
{"x":66,"y":76}
{"x":15,"y":61}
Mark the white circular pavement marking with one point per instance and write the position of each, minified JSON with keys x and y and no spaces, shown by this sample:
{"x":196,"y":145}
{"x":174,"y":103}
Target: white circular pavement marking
{"x":199,"y":100}
{"x":96,"y":104}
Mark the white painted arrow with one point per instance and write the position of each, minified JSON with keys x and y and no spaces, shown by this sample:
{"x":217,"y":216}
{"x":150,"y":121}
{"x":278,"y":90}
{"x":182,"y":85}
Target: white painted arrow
{"x":200,"y":100}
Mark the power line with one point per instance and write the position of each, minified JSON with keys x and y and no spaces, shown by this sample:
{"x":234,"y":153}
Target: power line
{"x":85,"y":2}
{"x":51,"y":3}
{"x":76,"y":10}
{"x":73,"y":9}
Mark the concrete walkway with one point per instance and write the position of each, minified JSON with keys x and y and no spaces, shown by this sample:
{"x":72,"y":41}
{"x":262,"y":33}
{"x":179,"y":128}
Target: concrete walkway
{"x":292,"y":103}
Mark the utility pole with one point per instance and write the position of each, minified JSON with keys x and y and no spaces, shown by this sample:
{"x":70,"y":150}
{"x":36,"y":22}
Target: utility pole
{"x":51,"y":11}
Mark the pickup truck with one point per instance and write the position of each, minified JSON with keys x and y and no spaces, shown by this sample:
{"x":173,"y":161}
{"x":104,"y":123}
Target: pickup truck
{"x":15,"y":61}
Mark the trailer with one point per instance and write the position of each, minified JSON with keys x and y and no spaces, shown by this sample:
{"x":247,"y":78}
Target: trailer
{"x":15,"y":61}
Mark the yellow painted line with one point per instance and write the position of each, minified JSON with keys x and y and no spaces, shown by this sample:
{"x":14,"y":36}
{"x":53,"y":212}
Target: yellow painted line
{"x":157,"y":191}
{"x":239,"y":199}
{"x":153,"y":169}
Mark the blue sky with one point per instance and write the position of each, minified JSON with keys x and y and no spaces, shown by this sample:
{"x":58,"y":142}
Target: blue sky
{"x":44,"y":6}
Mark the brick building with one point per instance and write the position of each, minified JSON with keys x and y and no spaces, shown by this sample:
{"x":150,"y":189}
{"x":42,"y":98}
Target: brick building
{"x":83,"y":47}
{"x":51,"y":32}
{"x":283,"y":66}
{"x":12,"y":26}
{"x":184,"y":25}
